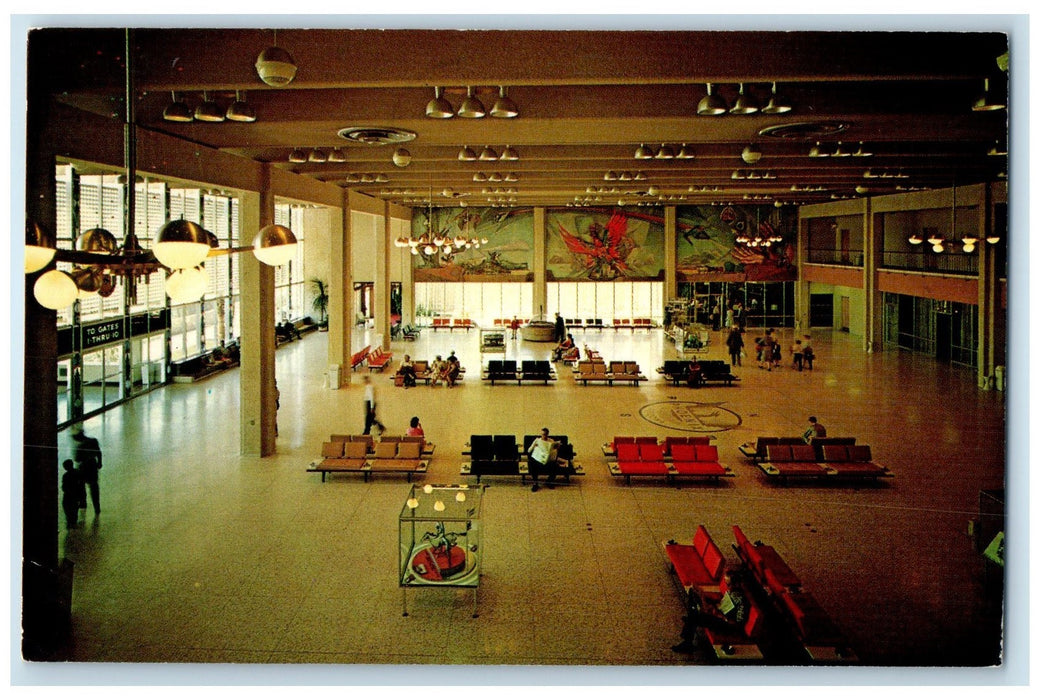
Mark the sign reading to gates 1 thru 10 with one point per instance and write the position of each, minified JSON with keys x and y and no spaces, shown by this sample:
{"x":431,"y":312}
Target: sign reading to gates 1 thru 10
{"x":102,"y":334}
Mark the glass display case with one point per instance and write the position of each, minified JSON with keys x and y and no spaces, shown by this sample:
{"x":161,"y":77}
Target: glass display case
{"x":493,"y":340}
{"x":440,"y":538}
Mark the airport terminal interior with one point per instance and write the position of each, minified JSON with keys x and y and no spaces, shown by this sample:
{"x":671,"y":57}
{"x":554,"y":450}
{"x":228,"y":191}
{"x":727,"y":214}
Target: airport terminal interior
{"x":599,"y":184}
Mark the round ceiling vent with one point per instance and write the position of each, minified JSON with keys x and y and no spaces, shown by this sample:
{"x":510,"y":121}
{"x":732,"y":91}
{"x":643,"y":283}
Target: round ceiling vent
{"x":804,"y":130}
{"x":376,"y":135}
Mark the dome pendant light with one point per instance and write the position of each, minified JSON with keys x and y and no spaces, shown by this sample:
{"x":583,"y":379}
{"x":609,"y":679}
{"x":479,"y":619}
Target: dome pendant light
{"x":984,"y":103}
{"x":504,"y":108}
{"x":438,"y":107}
{"x":744,"y":104}
{"x":240,"y":111}
{"x":209,"y":111}
{"x":471,"y":107}
{"x":711,"y":105}
{"x":643,"y":153}
{"x":181,"y":244}
{"x":776,"y":104}
{"x":274,"y":245}
{"x":466,"y":154}
{"x":39,"y":247}
{"x":488,"y":154}
{"x":178,"y":111}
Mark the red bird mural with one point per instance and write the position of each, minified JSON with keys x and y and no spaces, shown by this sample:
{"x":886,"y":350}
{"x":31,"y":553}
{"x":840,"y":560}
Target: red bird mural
{"x":602,"y":251}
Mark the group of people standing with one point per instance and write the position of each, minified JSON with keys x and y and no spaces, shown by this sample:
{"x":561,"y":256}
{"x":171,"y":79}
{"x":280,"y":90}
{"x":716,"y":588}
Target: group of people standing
{"x":768,"y":352}
{"x":80,"y":475}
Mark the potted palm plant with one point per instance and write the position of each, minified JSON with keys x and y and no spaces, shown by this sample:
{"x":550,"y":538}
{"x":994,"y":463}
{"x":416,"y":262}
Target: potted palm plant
{"x":320,"y":302}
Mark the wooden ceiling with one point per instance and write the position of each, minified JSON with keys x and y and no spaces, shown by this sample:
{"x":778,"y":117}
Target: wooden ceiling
{"x":587,"y":100}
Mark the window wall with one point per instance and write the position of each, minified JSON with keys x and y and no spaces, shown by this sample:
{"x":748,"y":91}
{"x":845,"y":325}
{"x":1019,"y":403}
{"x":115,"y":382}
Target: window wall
{"x":482,"y":302}
{"x":152,"y":333}
{"x":606,"y":300}
{"x":945,"y":330}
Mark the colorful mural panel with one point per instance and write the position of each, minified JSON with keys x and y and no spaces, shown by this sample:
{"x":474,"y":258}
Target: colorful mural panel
{"x":505,"y":252}
{"x":734,"y":244}
{"x":604,"y":245}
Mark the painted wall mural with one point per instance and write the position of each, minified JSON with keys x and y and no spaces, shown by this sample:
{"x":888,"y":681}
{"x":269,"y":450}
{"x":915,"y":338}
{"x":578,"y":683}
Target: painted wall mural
{"x":505,"y":252}
{"x":721,"y":243}
{"x":607,"y":245}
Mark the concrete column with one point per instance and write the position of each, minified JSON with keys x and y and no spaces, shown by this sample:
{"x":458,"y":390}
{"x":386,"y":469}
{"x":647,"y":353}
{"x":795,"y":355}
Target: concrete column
{"x":538,"y":293}
{"x":43,"y":622}
{"x":671,"y":284}
{"x":256,"y":295}
{"x":381,"y":291}
{"x":873,"y":245}
{"x":405,"y":260}
{"x":801,"y":287}
{"x":341,"y":293}
{"x":992,"y":321}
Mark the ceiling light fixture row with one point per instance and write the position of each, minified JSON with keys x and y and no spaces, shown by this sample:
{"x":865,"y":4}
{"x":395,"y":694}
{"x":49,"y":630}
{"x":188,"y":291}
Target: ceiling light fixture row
{"x":818,"y":151}
{"x":986,"y":102}
{"x":317,"y":155}
{"x":209,"y":110}
{"x":623,"y":175}
{"x":499,"y":190}
{"x":753,"y":175}
{"x":713,"y":104}
{"x":471,"y":108}
{"x":871,"y":174}
{"x":495,"y":177}
{"x":665,"y":152}
{"x":488,"y":154}
{"x":366,"y":177}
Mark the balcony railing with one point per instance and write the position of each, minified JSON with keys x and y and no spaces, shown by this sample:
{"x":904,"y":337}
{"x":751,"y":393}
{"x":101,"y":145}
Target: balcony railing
{"x":950,"y":262}
{"x":850,"y":258}
{"x":954,"y":263}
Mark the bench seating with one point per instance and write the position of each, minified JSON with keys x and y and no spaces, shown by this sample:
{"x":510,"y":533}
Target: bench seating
{"x":451,"y":324}
{"x":806,"y":619}
{"x":849,"y":461}
{"x":196,"y":367}
{"x":756,"y":451}
{"x":378,"y":360}
{"x":358,"y":358}
{"x":502,"y":455}
{"x":536,"y":371}
{"x":500,"y":370}
{"x":425,"y":448}
{"x":626,"y":372}
{"x":610,"y":448}
{"x":592,"y":371}
{"x":424,"y":373}
{"x":648,"y":459}
{"x":852,"y":461}
{"x":353,"y":456}
{"x":698,"y":566}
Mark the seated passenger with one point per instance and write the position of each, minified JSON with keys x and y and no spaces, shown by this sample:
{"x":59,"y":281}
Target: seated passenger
{"x":407,"y":371}
{"x":728,"y":615}
{"x":452,"y":370}
{"x":695,"y":375}
{"x":566,"y":349}
{"x":415,"y":428}
{"x":437,"y":369}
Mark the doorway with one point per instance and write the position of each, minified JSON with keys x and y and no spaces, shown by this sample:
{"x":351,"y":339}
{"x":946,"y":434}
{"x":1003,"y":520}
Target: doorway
{"x":821,"y":310}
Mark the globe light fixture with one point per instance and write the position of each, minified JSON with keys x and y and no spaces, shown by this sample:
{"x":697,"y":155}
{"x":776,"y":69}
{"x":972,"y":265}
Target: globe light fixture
{"x":274,"y":245}
{"x":181,"y":244}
